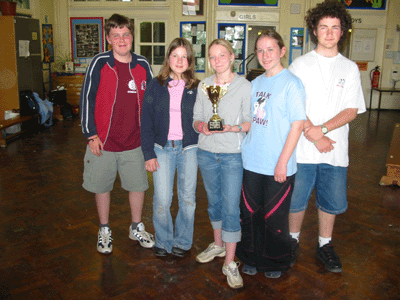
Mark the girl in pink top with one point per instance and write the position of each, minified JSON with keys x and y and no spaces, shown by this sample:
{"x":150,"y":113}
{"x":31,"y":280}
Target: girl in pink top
{"x":169,"y":144}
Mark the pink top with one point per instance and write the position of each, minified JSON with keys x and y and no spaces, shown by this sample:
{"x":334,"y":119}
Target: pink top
{"x":175,"y":88}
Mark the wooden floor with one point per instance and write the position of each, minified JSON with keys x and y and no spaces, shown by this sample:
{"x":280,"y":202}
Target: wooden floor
{"x":48,"y":232}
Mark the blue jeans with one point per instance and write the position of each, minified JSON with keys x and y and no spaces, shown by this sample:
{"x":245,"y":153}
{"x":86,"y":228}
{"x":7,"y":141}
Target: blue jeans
{"x":222,"y":176}
{"x":171,"y":158}
{"x":330,"y":185}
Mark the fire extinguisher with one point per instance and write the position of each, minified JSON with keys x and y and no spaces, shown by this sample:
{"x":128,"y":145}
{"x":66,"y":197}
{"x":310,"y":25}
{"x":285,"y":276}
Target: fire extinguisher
{"x":374,"y":76}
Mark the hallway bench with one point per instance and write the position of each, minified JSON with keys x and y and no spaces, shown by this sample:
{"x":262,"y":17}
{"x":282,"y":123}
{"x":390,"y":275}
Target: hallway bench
{"x":11,"y":122}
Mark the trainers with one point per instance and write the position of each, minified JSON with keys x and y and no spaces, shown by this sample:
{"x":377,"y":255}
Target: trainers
{"x":294,"y":252}
{"x":210,"y":253}
{"x":327,"y":255}
{"x":273,"y":274}
{"x":104,"y":241}
{"x":235,"y":281}
{"x":249,"y":270}
{"x":145,"y":239}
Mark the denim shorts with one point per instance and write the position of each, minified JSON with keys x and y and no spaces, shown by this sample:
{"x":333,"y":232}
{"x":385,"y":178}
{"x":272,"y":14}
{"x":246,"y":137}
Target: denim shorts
{"x":330,"y":185}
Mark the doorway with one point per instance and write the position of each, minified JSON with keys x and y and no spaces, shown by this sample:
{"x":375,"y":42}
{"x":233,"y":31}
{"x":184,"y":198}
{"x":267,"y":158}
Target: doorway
{"x":252,"y":65}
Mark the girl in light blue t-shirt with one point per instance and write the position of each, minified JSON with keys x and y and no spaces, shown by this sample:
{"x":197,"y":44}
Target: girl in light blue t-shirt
{"x":269,"y":161}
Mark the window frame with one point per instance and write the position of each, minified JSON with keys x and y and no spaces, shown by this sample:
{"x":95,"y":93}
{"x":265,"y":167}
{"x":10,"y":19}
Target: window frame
{"x":139,"y":44}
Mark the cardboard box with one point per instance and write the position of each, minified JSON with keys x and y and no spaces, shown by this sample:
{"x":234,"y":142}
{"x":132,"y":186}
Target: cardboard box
{"x":393,"y":160}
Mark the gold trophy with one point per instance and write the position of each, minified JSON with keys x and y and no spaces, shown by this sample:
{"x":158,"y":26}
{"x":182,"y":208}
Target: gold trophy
{"x":215,"y":94}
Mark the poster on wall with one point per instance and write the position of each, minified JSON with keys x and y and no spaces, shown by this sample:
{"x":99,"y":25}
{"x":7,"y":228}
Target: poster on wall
{"x":192,"y":7}
{"x":236,"y":34}
{"x":363,"y":44}
{"x":296,"y":43}
{"x":249,"y":2}
{"x":48,"y":47}
{"x":23,"y":4}
{"x":365,"y":4}
{"x":86,"y":37}
{"x":195,"y":33}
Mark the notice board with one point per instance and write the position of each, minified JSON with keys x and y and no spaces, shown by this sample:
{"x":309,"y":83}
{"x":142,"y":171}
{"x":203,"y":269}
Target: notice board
{"x":363,"y":45}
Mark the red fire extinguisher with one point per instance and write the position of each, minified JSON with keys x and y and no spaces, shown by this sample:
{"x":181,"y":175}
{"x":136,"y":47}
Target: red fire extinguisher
{"x":374,"y":76}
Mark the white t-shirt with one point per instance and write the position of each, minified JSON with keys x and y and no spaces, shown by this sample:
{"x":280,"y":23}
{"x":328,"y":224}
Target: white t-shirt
{"x":332,"y":85}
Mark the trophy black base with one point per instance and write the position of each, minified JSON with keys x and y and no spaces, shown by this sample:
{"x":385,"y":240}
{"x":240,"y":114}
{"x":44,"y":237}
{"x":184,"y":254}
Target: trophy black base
{"x":215,"y":126}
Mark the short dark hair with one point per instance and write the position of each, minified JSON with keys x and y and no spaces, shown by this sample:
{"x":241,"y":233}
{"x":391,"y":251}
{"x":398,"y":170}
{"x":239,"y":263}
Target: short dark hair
{"x":332,"y":9}
{"x":189,"y":75}
{"x":118,"y":21}
{"x":270,"y":32}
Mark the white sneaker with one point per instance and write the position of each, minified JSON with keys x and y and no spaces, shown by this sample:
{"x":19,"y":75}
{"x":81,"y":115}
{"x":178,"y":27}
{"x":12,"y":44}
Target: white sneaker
{"x":145,"y":239}
{"x":235,"y":281}
{"x":104,"y":241}
{"x":210,"y":253}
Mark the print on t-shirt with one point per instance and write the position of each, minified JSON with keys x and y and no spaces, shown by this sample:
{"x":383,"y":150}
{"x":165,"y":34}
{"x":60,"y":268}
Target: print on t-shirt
{"x":132,"y":87}
{"x":341,"y":83}
{"x":259,"y":111}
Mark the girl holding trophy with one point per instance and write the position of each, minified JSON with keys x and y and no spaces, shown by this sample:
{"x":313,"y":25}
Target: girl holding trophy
{"x":269,"y":162}
{"x":169,"y":144}
{"x":222,"y":115}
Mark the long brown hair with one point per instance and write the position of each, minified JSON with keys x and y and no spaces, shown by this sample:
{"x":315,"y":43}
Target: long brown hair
{"x":189,"y":75}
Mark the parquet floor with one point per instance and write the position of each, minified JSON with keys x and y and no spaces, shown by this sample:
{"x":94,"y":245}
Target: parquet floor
{"x":48,"y":232}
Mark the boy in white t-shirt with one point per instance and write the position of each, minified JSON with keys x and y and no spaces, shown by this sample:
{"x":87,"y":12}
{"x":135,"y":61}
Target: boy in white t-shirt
{"x":334,"y":98}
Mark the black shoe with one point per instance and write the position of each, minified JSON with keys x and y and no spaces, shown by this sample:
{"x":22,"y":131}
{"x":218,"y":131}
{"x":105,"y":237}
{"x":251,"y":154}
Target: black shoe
{"x":294,"y":252}
{"x":178,"y":252}
{"x":327,"y":255}
{"x":160,"y":251}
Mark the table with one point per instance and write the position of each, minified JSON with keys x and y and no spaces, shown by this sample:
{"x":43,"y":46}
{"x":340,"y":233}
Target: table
{"x":72,"y":83}
{"x":382,"y":90}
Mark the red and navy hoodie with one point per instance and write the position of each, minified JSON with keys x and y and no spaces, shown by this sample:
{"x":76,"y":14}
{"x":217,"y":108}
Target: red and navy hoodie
{"x":99,"y":92}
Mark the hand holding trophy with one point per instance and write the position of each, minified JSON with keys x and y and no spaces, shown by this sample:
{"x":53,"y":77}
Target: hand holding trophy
{"x":215,"y":94}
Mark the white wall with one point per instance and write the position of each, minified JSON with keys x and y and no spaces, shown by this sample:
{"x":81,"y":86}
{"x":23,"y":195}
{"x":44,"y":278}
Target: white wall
{"x":281,"y":17}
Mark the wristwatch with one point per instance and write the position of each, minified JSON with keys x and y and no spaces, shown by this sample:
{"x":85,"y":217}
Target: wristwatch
{"x":324,"y":129}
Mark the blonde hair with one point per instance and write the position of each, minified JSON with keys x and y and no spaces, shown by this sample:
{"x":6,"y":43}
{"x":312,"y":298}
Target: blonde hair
{"x":224,"y":43}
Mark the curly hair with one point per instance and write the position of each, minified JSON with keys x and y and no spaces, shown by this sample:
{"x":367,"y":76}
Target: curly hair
{"x":189,"y":75}
{"x":332,"y":9}
{"x":118,"y":21}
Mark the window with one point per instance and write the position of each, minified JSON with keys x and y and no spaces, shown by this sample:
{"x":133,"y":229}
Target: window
{"x":152,"y":41}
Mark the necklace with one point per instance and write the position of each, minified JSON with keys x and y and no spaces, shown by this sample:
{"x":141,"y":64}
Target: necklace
{"x":218,"y":80}
{"x":328,"y":68}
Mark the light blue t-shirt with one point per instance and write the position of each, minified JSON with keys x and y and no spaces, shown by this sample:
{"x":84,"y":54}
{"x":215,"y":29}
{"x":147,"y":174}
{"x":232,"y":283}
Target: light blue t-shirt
{"x":277,"y":102}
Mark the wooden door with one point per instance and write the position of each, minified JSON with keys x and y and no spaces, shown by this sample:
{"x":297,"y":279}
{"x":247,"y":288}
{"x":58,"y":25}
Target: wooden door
{"x":9,"y":96}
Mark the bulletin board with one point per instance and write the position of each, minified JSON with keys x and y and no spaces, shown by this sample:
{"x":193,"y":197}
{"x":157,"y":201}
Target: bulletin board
{"x":296,"y":43}
{"x":86,"y":37}
{"x":195,"y":33}
{"x":236,"y":34}
{"x":363,"y":44}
